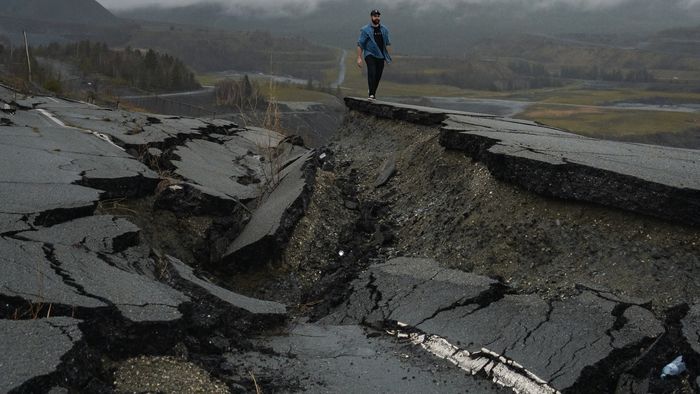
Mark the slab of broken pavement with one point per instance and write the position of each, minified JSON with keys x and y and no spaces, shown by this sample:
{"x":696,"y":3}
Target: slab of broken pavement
{"x":84,"y":292}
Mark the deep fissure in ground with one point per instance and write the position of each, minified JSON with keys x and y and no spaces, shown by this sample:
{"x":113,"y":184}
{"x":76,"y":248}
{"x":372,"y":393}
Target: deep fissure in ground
{"x":373,"y":224}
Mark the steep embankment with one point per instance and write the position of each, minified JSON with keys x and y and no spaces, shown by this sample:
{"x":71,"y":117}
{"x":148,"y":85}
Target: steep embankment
{"x":391,"y":189}
{"x":446,"y":206}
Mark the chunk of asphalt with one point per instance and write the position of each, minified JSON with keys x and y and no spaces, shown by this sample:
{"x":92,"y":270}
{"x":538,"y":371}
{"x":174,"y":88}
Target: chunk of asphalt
{"x":554,"y":341}
{"x":137,"y":297}
{"x":28,"y":274}
{"x":651,"y":180}
{"x":251,"y":305}
{"x":215,"y":167}
{"x":320,"y":358}
{"x":105,"y":234}
{"x":65,"y":155}
{"x":274,"y":219}
{"x":409,"y":290}
{"x":33,"y":348}
{"x":386,"y":171}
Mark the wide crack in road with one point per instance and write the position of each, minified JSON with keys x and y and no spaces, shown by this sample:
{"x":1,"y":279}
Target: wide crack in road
{"x":136,"y":247}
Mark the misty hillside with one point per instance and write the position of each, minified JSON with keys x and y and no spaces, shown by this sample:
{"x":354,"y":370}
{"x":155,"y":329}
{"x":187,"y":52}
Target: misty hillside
{"x":87,"y":12}
{"x":679,"y":40}
{"x":440,"y":30}
{"x":47,"y":21}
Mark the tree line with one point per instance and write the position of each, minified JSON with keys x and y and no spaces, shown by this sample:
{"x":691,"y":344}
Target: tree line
{"x":148,"y":70}
{"x":600,"y":74}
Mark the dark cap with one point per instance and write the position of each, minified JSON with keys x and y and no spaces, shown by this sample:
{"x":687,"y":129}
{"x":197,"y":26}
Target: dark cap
{"x":375,"y":12}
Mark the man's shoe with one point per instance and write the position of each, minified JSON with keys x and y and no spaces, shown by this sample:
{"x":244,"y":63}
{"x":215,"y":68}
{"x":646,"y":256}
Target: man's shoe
{"x":371,"y":97}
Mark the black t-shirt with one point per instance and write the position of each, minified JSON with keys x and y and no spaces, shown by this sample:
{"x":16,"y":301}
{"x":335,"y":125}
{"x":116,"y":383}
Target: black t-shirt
{"x":379,"y":38}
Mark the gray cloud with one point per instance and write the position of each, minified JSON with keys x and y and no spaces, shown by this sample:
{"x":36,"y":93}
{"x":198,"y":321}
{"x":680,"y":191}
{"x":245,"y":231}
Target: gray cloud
{"x":282,"y":7}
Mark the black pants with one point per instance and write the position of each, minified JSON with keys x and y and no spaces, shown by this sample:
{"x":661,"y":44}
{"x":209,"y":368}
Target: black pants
{"x":375,"y":68}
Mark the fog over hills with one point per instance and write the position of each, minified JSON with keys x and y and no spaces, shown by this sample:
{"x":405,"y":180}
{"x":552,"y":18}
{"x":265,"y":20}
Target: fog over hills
{"x":88,"y":12}
{"x":59,"y":21}
{"x":429,"y":26}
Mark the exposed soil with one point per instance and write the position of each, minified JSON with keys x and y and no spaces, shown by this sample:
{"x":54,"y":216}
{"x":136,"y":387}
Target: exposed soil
{"x":441,"y":205}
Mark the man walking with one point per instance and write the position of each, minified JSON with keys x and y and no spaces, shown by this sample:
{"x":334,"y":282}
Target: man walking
{"x":373,"y":45}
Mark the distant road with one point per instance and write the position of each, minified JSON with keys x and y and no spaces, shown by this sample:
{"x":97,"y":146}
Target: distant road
{"x":206,"y":89}
{"x":341,"y":71}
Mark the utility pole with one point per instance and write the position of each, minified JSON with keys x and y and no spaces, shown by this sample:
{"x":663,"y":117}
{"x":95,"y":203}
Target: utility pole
{"x":29,"y":62}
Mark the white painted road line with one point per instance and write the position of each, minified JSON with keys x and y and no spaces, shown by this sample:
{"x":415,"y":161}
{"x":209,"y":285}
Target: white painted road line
{"x":502,"y":371}
{"x":51,"y":117}
{"x":103,"y":137}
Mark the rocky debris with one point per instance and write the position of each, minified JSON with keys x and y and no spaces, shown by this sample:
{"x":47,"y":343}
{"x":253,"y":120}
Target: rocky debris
{"x":313,"y":358}
{"x":32,"y":348}
{"x":271,"y":224}
{"x":387,"y":170}
{"x":164,"y":375}
{"x":651,"y":180}
{"x":556,"y":341}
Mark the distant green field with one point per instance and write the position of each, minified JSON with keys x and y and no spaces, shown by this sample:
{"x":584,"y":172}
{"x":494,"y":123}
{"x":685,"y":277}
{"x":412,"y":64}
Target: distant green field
{"x":580,"y":96}
{"x":280,"y":91}
{"x":601,"y":122}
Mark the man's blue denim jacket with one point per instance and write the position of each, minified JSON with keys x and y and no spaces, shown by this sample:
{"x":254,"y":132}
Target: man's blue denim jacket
{"x":369,"y":46}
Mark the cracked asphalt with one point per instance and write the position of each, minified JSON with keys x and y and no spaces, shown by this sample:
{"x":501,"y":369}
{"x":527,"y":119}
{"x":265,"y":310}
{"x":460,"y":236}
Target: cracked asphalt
{"x":460,"y":272}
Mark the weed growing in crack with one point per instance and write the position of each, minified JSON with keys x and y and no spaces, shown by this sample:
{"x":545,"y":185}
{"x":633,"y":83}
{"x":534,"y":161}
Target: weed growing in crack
{"x":33,"y":311}
{"x":166,"y":180}
{"x":162,"y":268}
{"x":258,"y":390}
{"x":270,"y":150}
{"x":116,"y":207}
{"x":271,"y":168}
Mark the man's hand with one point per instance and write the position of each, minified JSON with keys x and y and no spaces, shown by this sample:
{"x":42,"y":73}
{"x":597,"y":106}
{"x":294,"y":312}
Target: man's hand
{"x":359,"y":61}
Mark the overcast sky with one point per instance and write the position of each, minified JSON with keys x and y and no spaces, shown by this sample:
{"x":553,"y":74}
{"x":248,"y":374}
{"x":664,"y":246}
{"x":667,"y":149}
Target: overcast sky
{"x":301,"y":6}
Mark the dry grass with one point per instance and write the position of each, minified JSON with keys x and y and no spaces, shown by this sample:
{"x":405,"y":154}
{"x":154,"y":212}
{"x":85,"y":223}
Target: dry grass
{"x":116,"y":207}
{"x":33,"y":311}
{"x":258,"y":390}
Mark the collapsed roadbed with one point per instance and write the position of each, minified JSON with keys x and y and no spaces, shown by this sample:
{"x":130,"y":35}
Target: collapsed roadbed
{"x":149,"y":253}
{"x":92,"y":200}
